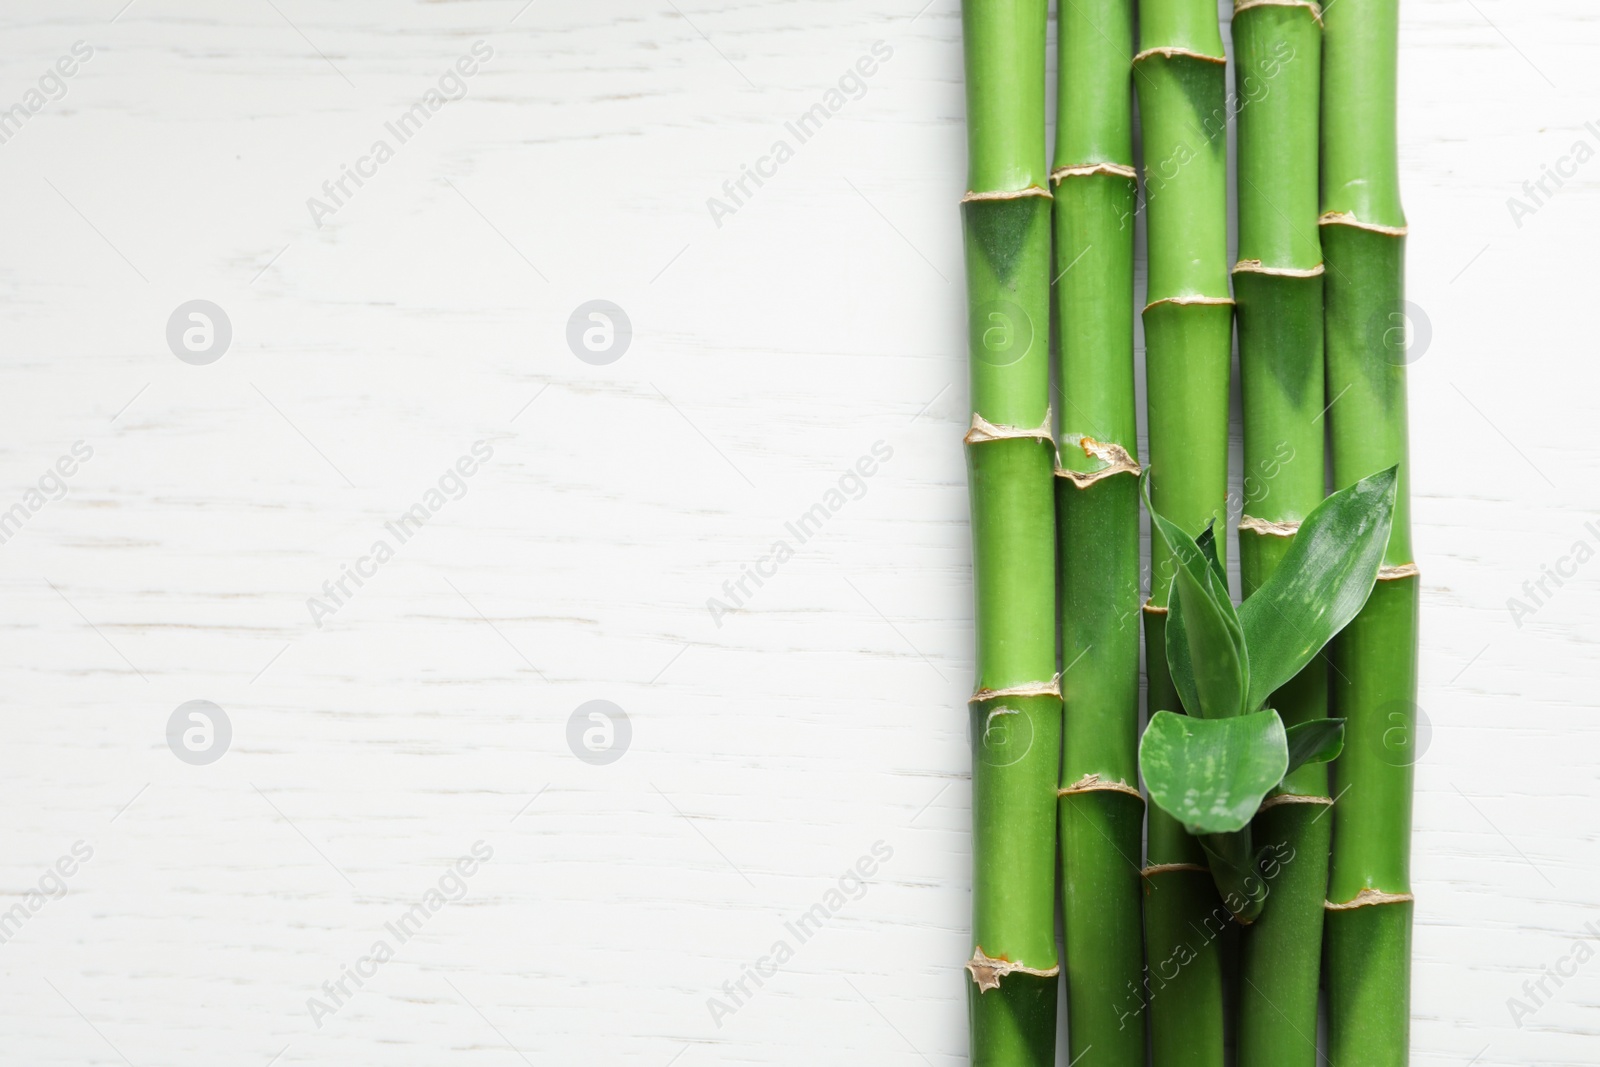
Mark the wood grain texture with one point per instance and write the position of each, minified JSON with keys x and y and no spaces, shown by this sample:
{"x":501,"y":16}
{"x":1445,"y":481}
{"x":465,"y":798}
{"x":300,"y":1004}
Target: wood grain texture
{"x":770,"y":752}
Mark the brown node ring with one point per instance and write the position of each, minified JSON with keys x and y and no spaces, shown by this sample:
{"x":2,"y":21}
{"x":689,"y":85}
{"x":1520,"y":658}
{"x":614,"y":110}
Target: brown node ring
{"x":1369,"y":897}
{"x":987,"y":971}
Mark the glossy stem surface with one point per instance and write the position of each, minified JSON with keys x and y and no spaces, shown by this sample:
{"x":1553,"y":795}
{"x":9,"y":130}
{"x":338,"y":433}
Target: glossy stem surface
{"x":1016,"y":709}
{"x":1278,"y":283}
{"x":1101,"y":812}
{"x":1375,"y":669}
{"x":1179,"y":74}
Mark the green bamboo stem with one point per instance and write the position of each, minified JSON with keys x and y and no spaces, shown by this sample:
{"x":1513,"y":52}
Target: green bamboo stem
{"x":1375,"y":675}
{"x":1180,"y":75}
{"x":1016,"y":711}
{"x":1101,"y":810}
{"x":1278,"y":285}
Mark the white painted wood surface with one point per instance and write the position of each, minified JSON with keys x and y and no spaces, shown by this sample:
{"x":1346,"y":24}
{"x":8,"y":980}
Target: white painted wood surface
{"x":768,"y":753}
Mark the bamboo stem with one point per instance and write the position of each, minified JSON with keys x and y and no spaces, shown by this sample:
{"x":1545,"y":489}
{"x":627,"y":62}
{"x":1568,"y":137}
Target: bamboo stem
{"x":1278,"y":284}
{"x":1016,"y":712}
{"x":1101,"y":811}
{"x":1374,"y":685}
{"x":1180,"y":75}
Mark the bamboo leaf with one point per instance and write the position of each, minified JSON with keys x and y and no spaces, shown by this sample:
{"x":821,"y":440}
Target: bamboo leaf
{"x":1317,"y":741}
{"x":1211,"y":774}
{"x":1217,"y":587}
{"x":1215,"y":647}
{"x":1207,"y":544}
{"x":1179,"y":666}
{"x":1320,"y":585}
{"x":1206,"y":650}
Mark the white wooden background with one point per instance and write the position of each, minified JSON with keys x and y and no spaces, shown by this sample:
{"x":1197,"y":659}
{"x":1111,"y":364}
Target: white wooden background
{"x":768,"y":753}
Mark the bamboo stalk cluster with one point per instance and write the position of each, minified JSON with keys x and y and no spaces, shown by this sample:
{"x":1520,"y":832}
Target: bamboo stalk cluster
{"x":1168,"y":952}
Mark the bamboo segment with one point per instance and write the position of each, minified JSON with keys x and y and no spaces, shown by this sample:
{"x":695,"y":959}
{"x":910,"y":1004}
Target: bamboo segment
{"x":1278,"y":283}
{"x":1281,"y":954}
{"x":1101,"y":811}
{"x":1180,"y":75}
{"x":1363,"y":235}
{"x":1369,"y":891}
{"x":1016,"y":713}
{"x":1185,"y":926}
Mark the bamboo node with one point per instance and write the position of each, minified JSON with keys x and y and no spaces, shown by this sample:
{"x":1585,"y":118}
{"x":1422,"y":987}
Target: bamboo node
{"x":1269,"y":527}
{"x":1173,"y":53}
{"x":1172,"y":868}
{"x":1093,"y":783}
{"x":1245,"y":5}
{"x":1117,"y":460}
{"x":1084,"y":170}
{"x":969,"y":196}
{"x":1294,"y":798}
{"x":1186,"y":300}
{"x":987,"y":971}
{"x":1403,"y":570}
{"x":1255,"y":266}
{"x":1344,"y":218}
{"x":1052,"y":688}
{"x":983,"y":430}
{"x":1368,"y":897}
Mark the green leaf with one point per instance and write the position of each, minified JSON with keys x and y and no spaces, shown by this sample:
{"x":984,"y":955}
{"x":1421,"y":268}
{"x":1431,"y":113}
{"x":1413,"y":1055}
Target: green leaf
{"x":1317,"y":741}
{"x":1205,"y":651}
{"x":1179,"y":666}
{"x":1180,"y":657}
{"x":1207,"y":544}
{"x":1215,"y":646}
{"x":1211,"y":774}
{"x":1217,"y":586}
{"x":1320,"y":585}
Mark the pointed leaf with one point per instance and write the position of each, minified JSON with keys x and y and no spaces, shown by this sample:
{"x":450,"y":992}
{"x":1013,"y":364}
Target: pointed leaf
{"x":1211,"y":774}
{"x":1317,"y":741}
{"x":1217,"y":586}
{"x":1320,"y":585}
{"x":1209,"y":627}
{"x":1207,"y":544}
{"x":1179,"y":666}
{"x":1216,"y":646}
